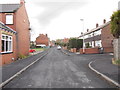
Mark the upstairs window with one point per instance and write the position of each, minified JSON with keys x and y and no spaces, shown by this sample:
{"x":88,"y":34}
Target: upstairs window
{"x":9,"y":18}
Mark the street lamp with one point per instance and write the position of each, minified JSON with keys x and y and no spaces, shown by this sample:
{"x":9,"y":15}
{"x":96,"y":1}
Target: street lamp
{"x":83,"y":36}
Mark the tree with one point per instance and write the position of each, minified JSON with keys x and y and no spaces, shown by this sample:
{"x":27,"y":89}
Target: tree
{"x":75,"y":43}
{"x":79,"y":43}
{"x":115,"y":30}
{"x":115,"y":24}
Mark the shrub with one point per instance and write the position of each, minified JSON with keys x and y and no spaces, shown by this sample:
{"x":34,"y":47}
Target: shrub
{"x":21,"y":56}
{"x":117,"y":61}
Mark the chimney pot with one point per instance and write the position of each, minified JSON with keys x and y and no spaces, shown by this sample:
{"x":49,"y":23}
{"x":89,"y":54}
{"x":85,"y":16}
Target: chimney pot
{"x":87,"y":30}
{"x":22,"y":1}
{"x":104,"y":21}
{"x":97,"y":25}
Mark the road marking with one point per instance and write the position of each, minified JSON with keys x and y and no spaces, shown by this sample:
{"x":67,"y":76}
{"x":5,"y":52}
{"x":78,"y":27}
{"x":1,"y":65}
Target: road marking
{"x":20,"y":72}
{"x":104,"y":76}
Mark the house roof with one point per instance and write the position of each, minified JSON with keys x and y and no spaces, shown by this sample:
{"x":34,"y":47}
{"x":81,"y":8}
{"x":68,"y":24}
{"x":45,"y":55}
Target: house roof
{"x":96,"y":29}
{"x":6,"y":28}
{"x":8,"y":8}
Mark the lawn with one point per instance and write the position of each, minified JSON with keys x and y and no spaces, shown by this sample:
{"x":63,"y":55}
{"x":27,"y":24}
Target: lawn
{"x":39,"y":49}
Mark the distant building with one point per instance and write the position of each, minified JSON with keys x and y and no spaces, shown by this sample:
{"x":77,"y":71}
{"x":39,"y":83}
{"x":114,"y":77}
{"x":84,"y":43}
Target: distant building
{"x":42,"y":40}
{"x":52,"y":43}
{"x":14,"y":31}
{"x":65,"y":40}
{"x":99,"y":37}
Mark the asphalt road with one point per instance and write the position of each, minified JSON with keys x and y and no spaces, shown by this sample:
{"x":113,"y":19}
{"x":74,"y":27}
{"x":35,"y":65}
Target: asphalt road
{"x":57,"y":70}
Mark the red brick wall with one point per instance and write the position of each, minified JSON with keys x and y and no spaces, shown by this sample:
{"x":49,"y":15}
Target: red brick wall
{"x":108,"y":49}
{"x":22,"y":28}
{"x":21,"y":25}
{"x":73,"y":50}
{"x":90,"y":51}
{"x":42,"y":39}
{"x":3,"y":19}
{"x":107,"y":39}
{"x":65,"y":48}
{"x":65,"y":40}
{"x":22,"y":38}
{"x":7,"y":58}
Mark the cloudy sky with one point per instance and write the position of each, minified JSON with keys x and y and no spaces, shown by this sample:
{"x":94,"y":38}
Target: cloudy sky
{"x":61,"y":18}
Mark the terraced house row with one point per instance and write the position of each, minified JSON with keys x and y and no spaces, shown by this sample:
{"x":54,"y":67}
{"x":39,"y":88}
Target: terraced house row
{"x":99,"y":37}
{"x":14,"y":32}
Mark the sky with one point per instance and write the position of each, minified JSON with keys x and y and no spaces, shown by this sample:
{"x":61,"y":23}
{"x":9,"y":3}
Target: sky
{"x":61,"y":18}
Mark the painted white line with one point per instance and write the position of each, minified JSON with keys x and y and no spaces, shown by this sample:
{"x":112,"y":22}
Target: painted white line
{"x":104,"y":76}
{"x":18,"y":73}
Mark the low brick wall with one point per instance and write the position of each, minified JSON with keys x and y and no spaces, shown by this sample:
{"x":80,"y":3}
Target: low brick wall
{"x":65,"y":48}
{"x":7,"y":58}
{"x":108,"y":49}
{"x":73,"y":50}
{"x":90,"y":51}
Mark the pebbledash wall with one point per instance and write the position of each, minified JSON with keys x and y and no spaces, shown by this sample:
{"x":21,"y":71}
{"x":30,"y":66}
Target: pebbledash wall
{"x":21,"y":40}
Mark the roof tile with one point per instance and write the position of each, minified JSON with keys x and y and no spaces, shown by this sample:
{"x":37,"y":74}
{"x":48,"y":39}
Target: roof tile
{"x":7,"y":8}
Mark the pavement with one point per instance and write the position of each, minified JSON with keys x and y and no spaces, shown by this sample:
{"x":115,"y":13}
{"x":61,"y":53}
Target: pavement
{"x":105,"y":68}
{"x":11,"y":69}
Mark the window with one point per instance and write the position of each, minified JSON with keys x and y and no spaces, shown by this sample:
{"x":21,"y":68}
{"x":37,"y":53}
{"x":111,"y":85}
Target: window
{"x":6,"y":43}
{"x":97,"y":32}
{"x":98,"y":43}
{"x":9,"y":18}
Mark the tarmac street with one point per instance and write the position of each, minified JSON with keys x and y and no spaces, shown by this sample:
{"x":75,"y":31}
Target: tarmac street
{"x":57,"y":70}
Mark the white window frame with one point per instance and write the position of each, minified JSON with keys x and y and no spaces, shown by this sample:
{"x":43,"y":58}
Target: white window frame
{"x":9,"y":18}
{"x":10,"y":49}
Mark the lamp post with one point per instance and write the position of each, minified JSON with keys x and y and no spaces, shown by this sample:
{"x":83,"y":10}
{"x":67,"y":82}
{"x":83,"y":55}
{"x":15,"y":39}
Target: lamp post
{"x":119,"y":5}
{"x":83,"y":36}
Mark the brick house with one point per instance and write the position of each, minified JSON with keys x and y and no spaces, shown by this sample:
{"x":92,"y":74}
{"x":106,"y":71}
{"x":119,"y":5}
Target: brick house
{"x":65,"y":40}
{"x":42,"y":40}
{"x":14,"y":16}
{"x":98,"y":37}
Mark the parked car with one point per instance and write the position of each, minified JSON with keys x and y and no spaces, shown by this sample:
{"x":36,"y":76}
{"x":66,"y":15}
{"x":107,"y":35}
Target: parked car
{"x":32,"y":50}
{"x":58,"y":47}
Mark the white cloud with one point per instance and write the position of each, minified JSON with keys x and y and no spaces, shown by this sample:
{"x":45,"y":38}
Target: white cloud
{"x":61,"y":18}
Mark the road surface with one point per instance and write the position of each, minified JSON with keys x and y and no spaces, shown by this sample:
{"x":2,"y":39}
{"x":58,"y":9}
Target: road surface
{"x":57,"y":70}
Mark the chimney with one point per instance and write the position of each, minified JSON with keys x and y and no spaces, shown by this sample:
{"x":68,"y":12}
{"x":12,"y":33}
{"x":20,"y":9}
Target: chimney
{"x":104,"y":21}
{"x":87,"y":30}
{"x":97,"y":25}
{"x":22,"y":1}
{"x":46,"y":35}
